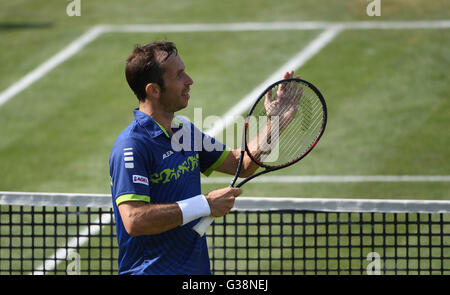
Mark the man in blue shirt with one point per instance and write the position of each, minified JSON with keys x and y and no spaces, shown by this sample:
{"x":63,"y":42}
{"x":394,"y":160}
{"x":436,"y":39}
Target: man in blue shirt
{"x":155,"y":184}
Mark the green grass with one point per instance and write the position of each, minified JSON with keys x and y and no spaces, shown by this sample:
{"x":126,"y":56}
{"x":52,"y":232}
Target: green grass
{"x":35,"y":30}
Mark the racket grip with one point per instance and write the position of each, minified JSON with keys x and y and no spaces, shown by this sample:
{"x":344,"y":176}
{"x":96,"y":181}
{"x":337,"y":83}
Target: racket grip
{"x":203,"y":225}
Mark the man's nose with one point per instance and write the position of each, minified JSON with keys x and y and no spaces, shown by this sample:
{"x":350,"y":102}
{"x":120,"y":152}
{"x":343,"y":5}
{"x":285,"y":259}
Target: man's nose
{"x":189,"y":80}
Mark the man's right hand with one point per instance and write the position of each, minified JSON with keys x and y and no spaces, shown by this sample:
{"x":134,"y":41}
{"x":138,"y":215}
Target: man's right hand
{"x":222,"y":200}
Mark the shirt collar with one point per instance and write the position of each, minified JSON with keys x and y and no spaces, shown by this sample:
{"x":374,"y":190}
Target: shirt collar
{"x":154,"y":128}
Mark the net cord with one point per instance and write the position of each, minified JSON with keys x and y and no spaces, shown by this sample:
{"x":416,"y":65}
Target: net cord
{"x":242,"y":203}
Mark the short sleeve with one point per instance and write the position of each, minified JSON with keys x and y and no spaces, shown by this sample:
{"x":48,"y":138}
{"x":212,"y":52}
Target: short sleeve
{"x":129,"y":171}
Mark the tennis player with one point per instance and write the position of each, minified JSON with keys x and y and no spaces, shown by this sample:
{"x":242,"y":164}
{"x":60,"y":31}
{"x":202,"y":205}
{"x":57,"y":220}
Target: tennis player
{"x":155,"y":186}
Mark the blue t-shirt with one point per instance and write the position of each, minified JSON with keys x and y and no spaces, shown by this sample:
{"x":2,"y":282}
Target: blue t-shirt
{"x":147,"y":164}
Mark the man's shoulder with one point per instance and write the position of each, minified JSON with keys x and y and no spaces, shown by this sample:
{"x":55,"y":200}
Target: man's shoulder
{"x":132,"y":138}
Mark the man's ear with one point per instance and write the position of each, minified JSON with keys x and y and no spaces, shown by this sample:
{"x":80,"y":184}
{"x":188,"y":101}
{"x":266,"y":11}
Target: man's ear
{"x":153,"y":90}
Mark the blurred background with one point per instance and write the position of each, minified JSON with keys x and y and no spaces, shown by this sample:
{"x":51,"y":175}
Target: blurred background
{"x":387,"y":90}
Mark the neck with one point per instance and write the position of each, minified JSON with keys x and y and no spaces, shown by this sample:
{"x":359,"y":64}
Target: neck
{"x":157,"y":114}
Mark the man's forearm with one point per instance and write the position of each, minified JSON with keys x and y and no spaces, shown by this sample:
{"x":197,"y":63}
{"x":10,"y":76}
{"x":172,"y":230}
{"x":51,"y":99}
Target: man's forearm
{"x":150,"y":219}
{"x":140,"y":218}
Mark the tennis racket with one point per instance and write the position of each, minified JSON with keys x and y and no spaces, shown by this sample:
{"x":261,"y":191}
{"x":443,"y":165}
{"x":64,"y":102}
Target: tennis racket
{"x":281,"y":128}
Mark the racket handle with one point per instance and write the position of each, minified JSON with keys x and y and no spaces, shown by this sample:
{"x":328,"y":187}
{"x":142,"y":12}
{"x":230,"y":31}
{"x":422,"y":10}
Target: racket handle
{"x":203,"y":225}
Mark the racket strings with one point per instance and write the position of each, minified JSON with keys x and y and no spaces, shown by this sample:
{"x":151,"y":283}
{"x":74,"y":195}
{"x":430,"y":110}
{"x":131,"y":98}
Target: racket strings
{"x":295,"y":146}
{"x":308,"y":140}
{"x":298,"y":120}
{"x":308,"y":130}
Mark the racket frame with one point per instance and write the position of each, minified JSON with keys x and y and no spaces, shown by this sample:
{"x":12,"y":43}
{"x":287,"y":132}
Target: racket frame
{"x":274,"y":168}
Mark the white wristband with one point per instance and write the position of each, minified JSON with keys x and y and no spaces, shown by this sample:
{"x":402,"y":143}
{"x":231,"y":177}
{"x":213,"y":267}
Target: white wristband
{"x":194,"y":208}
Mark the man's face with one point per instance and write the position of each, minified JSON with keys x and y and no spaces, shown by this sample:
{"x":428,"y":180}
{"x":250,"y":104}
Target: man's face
{"x":176,"y":83}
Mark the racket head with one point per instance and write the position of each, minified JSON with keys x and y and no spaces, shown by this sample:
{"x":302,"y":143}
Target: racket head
{"x":298,"y":115}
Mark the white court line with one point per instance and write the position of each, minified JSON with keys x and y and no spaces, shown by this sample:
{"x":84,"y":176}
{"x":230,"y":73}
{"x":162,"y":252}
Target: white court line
{"x":396,"y":25}
{"x":277,"y":26}
{"x":218,"y":27}
{"x":337,"y":179}
{"x":50,"y":64}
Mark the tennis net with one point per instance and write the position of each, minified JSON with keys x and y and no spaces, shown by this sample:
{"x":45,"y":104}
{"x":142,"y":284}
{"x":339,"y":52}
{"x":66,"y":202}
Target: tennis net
{"x":75,"y":234}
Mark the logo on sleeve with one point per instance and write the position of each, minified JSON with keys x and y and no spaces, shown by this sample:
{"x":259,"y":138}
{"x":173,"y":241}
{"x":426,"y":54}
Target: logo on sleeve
{"x":128,"y":158}
{"x":140,"y":179}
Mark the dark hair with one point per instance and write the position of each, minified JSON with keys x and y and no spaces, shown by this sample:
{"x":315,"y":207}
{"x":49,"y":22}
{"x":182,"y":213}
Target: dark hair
{"x":144,"y":66}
